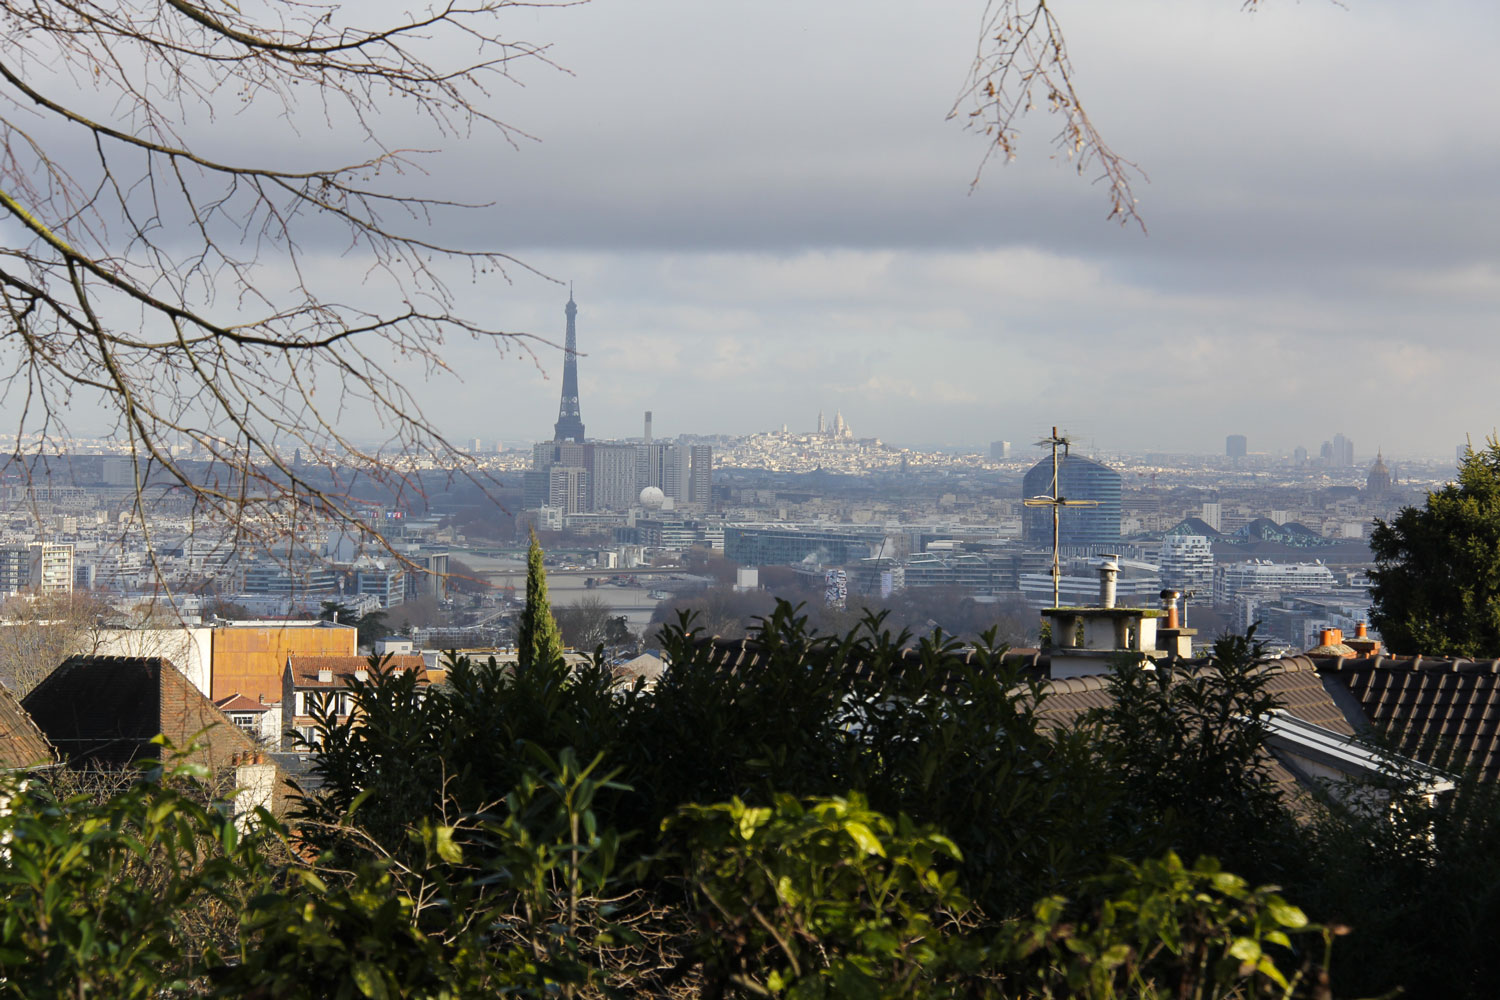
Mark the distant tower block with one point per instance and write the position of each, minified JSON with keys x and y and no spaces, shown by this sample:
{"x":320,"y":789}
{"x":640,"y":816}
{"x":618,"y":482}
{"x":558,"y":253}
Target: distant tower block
{"x":648,"y":427}
{"x":1235,"y":446}
{"x":569,"y":419}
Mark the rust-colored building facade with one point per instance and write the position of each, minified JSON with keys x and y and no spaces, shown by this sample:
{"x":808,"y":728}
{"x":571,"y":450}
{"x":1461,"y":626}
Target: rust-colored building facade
{"x":249,"y":659}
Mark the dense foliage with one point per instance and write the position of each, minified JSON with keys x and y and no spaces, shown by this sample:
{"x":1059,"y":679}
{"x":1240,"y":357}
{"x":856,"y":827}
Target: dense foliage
{"x":1436,"y":586}
{"x":847,"y":815}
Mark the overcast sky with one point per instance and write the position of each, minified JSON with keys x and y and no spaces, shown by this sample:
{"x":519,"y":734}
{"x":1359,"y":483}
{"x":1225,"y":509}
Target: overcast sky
{"x":765,"y":213}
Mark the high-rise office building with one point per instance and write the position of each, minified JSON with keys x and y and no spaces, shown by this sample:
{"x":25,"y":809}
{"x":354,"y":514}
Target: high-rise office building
{"x":569,"y":417}
{"x":1235,"y":446}
{"x":1078,"y":478}
{"x":1340,"y":452}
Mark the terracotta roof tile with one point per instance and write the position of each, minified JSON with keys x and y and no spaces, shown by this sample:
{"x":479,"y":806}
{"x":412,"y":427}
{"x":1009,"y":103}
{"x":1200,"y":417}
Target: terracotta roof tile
{"x":240,"y":703}
{"x":1443,"y":712}
{"x":305,"y":669}
{"x":107,"y":709}
{"x":21,"y":742}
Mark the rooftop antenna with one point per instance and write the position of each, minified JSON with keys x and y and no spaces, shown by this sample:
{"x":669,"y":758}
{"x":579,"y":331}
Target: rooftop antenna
{"x":1056,"y":502}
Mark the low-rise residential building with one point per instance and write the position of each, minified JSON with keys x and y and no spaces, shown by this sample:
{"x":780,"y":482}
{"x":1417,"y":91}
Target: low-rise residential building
{"x":314,"y":685}
{"x":261,"y":721}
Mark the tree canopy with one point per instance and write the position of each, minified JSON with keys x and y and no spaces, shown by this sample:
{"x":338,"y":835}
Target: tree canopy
{"x":1436,"y":583}
{"x":923,"y":826}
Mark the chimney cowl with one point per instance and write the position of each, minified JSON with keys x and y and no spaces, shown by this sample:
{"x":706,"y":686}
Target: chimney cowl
{"x":1169,"y":605}
{"x":1109,"y":570}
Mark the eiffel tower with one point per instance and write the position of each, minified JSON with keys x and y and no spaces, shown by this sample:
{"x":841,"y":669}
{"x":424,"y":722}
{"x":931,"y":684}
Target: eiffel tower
{"x":569,"y":420}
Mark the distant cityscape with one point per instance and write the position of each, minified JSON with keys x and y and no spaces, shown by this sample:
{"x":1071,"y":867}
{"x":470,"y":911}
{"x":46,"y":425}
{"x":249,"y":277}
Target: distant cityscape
{"x":1245,"y":537}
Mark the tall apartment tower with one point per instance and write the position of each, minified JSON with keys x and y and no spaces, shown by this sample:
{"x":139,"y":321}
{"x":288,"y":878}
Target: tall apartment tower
{"x":1235,"y":446}
{"x":676,"y":472}
{"x":569,"y":419}
{"x":700,"y":475}
{"x":612,"y":475}
{"x":568,"y":488}
{"x":38,"y":567}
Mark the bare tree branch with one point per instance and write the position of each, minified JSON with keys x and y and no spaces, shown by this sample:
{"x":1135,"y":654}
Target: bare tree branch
{"x":173,"y":287}
{"x":1021,"y":59}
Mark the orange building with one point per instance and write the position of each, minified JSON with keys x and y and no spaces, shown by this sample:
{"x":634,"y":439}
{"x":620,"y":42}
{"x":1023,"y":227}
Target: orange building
{"x":249,"y":657}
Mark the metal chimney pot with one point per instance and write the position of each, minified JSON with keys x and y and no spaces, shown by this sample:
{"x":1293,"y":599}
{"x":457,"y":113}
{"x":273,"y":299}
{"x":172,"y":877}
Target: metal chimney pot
{"x":1109,"y":570}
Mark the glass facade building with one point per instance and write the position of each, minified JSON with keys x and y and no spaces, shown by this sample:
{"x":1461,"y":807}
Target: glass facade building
{"x":1078,"y":478}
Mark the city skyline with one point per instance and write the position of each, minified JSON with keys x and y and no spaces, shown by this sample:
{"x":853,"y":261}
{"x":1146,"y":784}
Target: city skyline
{"x":824,"y":250}
{"x":1337,"y":452}
{"x":759,"y":226}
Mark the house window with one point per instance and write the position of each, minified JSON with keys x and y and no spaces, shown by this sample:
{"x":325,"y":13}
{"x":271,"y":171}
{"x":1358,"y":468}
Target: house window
{"x":247,"y":722}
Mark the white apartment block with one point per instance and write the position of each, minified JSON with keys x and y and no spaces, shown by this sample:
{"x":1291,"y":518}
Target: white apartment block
{"x":1269,"y":577}
{"x":36,"y":568}
{"x":1187,"y":563}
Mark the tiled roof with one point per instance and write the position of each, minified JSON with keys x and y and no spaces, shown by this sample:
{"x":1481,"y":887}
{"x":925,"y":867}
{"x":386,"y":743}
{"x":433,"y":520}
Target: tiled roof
{"x":1294,"y":682}
{"x":1443,"y":712}
{"x":305,"y":669}
{"x":645,"y":667}
{"x":103,"y":709}
{"x":240,"y":703}
{"x":21,"y":742}
{"x":107,"y":709}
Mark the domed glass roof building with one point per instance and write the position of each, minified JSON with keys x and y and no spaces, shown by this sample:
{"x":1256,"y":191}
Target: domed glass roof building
{"x":1078,"y":478}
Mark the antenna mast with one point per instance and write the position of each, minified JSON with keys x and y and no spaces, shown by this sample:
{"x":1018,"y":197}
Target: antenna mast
{"x":1056,"y":502}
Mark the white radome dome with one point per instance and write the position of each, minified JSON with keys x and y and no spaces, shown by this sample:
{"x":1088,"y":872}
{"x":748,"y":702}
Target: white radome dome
{"x":653,"y":498}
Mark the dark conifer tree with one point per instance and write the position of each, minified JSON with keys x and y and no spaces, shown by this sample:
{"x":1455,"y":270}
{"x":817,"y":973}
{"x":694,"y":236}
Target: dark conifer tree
{"x":538,"y":640}
{"x":1436,"y":585}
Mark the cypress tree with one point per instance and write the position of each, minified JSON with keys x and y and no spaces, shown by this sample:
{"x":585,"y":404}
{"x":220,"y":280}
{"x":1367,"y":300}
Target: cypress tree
{"x":537,"y":638}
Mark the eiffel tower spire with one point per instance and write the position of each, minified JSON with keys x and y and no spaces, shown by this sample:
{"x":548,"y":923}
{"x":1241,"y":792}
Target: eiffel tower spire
{"x":569,"y":420}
